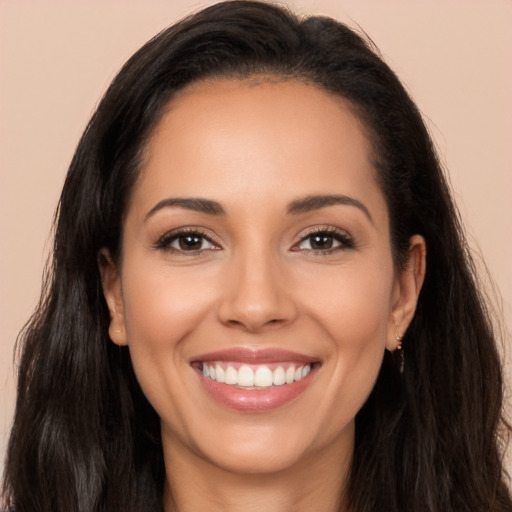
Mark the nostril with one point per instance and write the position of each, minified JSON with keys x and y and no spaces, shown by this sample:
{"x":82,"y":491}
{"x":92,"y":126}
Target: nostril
{"x":254,"y":324}
{"x":255,"y":307}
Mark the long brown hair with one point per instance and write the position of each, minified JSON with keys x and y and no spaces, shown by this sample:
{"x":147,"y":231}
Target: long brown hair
{"x":84,"y":436}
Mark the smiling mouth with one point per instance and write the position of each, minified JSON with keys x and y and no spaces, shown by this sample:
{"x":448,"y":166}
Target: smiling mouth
{"x":255,"y":381}
{"x":254,"y":377}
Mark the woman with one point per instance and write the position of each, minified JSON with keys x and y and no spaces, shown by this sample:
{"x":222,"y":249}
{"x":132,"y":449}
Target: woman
{"x":260,"y":296}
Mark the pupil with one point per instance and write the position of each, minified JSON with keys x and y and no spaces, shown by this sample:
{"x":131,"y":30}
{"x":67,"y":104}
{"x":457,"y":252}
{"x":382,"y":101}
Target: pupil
{"x":321,"y":242}
{"x":190,"y":242}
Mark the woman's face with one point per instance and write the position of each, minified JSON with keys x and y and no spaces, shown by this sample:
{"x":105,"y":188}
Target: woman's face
{"x":257,"y":244}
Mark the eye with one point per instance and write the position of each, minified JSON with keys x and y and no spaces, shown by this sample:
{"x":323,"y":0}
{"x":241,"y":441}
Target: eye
{"x":187,"y":241}
{"x":324,"y":241}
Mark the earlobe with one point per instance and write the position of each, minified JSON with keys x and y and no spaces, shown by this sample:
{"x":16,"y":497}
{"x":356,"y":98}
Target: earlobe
{"x":407,"y":289}
{"x":111,"y":283}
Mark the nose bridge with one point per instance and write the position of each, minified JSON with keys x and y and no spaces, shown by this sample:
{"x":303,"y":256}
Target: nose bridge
{"x":255,"y":294}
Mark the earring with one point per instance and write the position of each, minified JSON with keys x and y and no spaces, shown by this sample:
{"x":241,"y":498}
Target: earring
{"x":400,"y":352}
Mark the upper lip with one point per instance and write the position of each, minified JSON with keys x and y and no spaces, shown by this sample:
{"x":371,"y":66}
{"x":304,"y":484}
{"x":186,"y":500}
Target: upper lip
{"x":261,"y":356}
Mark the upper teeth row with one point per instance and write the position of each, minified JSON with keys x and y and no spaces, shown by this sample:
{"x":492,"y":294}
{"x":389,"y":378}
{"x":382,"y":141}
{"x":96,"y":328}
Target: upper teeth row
{"x":263,"y":376}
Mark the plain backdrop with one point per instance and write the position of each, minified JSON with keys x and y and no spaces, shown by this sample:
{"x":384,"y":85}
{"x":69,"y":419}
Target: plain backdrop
{"x":58,"y":57}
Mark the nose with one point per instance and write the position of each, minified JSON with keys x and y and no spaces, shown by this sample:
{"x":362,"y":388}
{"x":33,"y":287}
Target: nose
{"x":256,"y":295}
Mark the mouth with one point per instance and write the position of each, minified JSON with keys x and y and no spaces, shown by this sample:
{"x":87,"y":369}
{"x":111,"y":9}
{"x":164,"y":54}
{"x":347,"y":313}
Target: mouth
{"x":250,"y":376}
{"x":255,"y":381}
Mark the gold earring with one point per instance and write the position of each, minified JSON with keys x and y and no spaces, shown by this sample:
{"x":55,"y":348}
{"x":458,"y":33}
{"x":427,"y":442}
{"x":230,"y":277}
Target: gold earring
{"x":399,"y":339}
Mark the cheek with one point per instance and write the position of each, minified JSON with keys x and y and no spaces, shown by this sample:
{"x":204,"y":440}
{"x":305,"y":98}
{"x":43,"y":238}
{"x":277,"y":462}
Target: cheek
{"x":162,"y":304}
{"x":353,"y":309}
{"x":353,"y":304}
{"x":162,"y":309}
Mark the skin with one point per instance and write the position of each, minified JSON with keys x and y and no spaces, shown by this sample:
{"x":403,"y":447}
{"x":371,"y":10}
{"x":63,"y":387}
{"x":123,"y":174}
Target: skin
{"x":256,"y":148}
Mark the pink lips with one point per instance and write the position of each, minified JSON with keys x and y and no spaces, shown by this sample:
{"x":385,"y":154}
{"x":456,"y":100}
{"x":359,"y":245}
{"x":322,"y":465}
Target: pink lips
{"x":255,"y":400}
{"x":256,"y":356}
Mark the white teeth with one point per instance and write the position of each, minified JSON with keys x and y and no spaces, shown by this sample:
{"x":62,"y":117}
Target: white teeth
{"x":279,"y":377}
{"x":260,"y":376}
{"x":263,"y":377}
{"x":219,"y":373}
{"x":245,"y":376}
{"x":231,"y":376}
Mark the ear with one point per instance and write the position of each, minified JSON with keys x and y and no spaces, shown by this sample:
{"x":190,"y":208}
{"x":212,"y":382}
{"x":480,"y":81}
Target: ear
{"x":407,"y":287}
{"x":111,"y":282}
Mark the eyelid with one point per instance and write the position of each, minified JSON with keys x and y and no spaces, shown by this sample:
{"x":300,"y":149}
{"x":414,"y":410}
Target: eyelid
{"x":343,"y":237}
{"x":164,"y":242}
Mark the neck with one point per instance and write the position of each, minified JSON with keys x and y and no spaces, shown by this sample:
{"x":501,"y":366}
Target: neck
{"x":313,"y":483}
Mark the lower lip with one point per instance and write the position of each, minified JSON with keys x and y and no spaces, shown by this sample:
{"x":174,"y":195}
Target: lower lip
{"x":255,"y":400}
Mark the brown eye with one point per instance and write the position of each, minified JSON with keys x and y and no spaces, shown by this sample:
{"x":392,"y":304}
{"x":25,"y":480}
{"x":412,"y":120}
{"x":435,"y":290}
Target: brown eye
{"x":320,"y":242}
{"x":190,"y":242}
{"x":325,"y":241}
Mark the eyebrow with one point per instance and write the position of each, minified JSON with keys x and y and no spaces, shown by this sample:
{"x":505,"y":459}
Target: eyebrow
{"x":311,"y":203}
{"x":188,"y":203}
{"x":303,"y":205}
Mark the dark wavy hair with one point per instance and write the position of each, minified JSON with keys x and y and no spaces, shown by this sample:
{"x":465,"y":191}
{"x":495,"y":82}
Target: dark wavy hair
{"x":86,"y":439}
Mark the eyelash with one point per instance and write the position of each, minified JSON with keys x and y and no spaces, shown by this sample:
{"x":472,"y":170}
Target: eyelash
{"x":345,"y":241}
{"x":164,"y":242}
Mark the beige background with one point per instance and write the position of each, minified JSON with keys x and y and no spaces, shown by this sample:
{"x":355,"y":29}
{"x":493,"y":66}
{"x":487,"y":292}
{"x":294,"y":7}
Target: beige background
{"x":57,"y":57}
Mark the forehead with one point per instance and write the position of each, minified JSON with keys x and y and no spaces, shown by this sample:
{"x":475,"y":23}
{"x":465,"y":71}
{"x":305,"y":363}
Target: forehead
{"x":268,"y":140}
